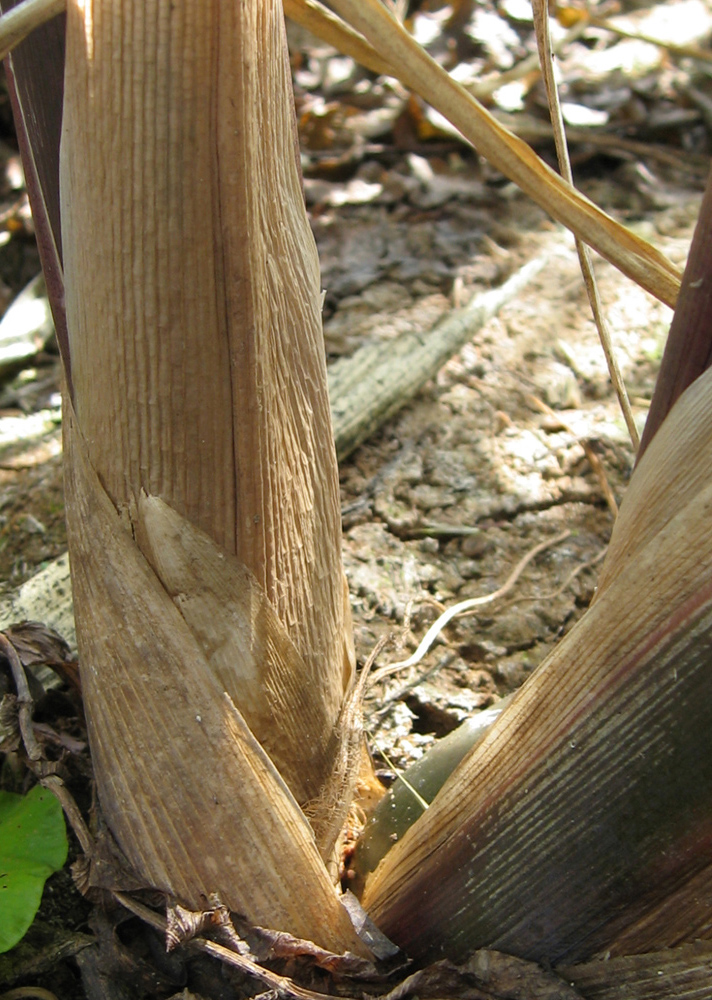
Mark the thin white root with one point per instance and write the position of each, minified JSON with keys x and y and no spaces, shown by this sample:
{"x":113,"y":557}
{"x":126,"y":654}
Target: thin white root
{"x":464,"y":606}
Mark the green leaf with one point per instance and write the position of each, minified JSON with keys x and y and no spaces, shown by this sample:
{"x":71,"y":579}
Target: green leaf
{"x":33,"y":845}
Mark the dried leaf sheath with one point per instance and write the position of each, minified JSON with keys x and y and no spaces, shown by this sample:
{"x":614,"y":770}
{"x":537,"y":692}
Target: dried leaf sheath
{"x":589,"y":804}
{"x":192,"y":294}
{"x":195,"y":802}
{"x":193,"y":301}
{"x":249,"y":651}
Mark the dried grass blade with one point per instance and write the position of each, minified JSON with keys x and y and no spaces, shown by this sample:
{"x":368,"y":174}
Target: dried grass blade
{"x":19,"y":21}
{"x":546,"y":59}
{"x":315,"y":17}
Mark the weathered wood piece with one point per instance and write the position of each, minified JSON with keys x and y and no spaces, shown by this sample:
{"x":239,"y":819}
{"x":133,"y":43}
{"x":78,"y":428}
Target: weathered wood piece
{"x":369,"y":387}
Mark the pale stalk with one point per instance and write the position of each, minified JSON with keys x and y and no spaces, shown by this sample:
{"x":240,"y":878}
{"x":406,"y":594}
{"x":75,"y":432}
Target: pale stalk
{"x":196,"y":346}
{"x":199,"y":379}
{"x":194,"y":802}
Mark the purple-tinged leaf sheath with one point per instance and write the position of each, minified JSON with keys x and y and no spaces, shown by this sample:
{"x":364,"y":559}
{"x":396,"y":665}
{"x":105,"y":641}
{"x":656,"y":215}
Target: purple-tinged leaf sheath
{"x":35,"y":75}
{"x":688,"y":350}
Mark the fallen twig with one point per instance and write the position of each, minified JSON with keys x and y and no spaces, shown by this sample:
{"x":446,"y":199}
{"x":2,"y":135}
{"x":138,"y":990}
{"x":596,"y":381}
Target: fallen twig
{"x":281,"y":985}
{"x":24,"y":699}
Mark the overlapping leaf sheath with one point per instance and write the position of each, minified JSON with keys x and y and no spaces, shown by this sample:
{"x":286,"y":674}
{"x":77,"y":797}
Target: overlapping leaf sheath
{"x":192,"y":294}
{"x":196,"y":803}
{"x":583,"y":821}
{"x":250,"y":653}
